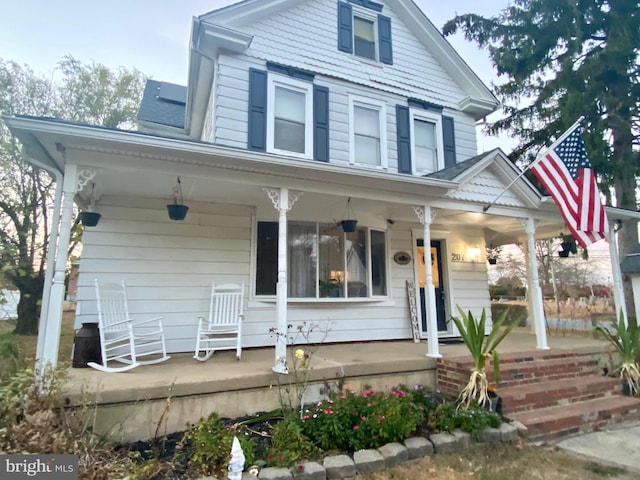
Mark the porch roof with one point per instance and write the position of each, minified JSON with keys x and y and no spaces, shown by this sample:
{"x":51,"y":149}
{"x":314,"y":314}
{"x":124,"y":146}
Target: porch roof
{"x":132,"y":163}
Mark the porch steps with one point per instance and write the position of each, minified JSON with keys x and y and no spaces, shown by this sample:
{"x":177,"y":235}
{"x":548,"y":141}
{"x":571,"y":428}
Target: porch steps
{"x":553,"y":393}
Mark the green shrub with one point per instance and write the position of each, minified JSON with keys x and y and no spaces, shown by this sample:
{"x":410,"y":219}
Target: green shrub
{"x":289,"y":443}
{"x":517,"y":312}
{"x":211,"y":442}
{"x":447,"y":417}
{"x":350,"y":421}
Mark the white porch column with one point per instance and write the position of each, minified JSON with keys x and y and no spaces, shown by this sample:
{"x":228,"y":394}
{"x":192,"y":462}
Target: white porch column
{"x":535,"y":292}
{"x":283,"y":201}
{"x":49,"y":338}
{"x":426,"y":215}
{"x":618,"y":289}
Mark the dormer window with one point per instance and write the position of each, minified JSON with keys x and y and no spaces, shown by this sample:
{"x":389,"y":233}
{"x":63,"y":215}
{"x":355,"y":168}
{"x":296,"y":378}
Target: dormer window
{"x":363,"y":31}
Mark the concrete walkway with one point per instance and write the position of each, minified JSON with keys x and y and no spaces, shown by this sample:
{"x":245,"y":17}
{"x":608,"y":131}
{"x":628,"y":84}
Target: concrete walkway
{"x":617,"y":445}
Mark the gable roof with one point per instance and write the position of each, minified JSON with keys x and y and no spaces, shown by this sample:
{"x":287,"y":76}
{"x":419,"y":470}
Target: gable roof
{"x":222,"y":29}
{"x":163,"y":104}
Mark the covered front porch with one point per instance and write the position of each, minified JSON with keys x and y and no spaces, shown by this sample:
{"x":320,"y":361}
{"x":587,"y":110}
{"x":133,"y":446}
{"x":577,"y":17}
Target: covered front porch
{"x":157,"y":399}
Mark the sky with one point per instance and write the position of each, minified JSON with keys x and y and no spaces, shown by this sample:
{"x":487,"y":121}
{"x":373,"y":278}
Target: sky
{"x":153,"y":35}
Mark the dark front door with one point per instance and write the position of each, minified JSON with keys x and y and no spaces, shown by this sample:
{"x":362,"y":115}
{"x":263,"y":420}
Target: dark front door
{"x":436,"y":270}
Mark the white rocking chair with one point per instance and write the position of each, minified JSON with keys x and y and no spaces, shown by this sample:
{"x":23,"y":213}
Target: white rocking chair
{"x":222,"y":330}
{"x":123,"y":339}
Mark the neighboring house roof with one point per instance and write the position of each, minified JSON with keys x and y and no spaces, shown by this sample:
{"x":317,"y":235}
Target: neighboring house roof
{"x":631,"y":262}
{"x":164,"y":104}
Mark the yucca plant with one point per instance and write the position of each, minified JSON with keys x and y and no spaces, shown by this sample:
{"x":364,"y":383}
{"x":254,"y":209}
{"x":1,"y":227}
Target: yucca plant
{"x":625,"y":338}
{"x":481,"y":348}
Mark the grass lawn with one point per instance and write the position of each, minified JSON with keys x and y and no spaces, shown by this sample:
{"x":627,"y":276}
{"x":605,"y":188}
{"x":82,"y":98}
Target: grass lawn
{"x":504,"y":462}
{"x":28,"y":342}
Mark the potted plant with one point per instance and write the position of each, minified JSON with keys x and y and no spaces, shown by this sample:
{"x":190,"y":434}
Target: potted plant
{"x":177,"y":210}
{"x":493,"y":253}
{"x":481,"y":348}
{"x":568,"y":245}
{"x":625,"y":338}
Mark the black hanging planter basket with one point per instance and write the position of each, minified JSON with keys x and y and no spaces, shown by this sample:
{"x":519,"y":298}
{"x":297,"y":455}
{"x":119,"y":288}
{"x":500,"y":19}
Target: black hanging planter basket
{"x":492,"y":261}
{"x":177,"y":211}
{"x":348,"y":226}
{"x":89,"y":219}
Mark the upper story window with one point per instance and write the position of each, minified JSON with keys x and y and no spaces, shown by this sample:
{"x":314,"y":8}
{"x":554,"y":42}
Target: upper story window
{"x":368,"y":146}
{"x":289,"y":116}
{"x":323,"y":261}
{"x":364,"y":39}
{"x":425,"y":138}
{"x":363,"y":31}
{"x":426,"y":135}
{"x":287,"y":113}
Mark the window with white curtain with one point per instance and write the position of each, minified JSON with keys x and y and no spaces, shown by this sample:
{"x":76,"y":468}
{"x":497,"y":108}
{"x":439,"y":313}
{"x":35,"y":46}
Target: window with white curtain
{"x":323,"y":261}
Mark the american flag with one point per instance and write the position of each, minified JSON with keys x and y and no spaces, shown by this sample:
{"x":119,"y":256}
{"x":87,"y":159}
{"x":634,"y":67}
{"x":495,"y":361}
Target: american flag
{"x":565,"y":171}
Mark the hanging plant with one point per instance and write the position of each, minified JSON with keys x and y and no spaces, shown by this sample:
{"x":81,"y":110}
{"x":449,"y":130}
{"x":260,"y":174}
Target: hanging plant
{"x":177,"y":210}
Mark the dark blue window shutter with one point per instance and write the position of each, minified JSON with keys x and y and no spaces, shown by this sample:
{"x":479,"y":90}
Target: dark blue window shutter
{"x":403,"y":131}
{"x":345,"y":27}
{"x":384,"y":39}
{"x":449,"y":141}
{"x":321,"y":123}
{"x":257,"y":138}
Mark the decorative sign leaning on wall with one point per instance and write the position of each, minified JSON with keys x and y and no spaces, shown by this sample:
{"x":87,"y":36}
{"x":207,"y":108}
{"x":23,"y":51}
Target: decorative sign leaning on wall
{"x":413,"y":311}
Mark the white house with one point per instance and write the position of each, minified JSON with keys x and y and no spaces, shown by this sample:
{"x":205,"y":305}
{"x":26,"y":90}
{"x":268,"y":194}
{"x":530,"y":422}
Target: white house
{"x":295,"y":112}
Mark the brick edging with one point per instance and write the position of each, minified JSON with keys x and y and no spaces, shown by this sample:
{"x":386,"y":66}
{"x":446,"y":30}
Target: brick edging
{"x":391,"y":455}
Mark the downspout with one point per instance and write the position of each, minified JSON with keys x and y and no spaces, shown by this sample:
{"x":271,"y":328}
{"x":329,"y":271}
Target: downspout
{"x":51,"y":257}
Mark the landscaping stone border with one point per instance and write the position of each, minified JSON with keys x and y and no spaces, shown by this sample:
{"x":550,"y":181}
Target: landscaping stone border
{"x":338,"y":467}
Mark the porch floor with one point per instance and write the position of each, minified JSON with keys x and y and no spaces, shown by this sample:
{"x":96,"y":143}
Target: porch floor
{"x":182,"y":375}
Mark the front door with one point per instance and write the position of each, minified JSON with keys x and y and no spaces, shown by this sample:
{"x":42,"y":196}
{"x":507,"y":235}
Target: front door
{"x":436,"y":270}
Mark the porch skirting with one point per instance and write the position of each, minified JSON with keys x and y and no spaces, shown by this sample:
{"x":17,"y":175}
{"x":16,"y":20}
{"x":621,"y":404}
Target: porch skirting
{"x":159,"y":399}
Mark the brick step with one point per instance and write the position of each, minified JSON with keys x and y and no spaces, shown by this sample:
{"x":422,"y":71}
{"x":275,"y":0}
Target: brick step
{"x":518,"y":368}
{"x":592,"y":415}
{"x":519,"y":373}
{"x":557,"y":392}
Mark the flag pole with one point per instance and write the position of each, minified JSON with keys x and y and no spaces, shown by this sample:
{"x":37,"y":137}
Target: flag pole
{"x":560,"y":139}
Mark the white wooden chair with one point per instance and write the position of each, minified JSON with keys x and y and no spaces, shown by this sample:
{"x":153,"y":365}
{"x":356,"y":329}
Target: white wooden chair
{"x":222,"y":329}
{"x":123,"y":339}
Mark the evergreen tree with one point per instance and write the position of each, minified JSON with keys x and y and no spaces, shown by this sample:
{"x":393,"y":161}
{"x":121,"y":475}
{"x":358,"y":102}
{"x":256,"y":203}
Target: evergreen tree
{"x":558,"y":60}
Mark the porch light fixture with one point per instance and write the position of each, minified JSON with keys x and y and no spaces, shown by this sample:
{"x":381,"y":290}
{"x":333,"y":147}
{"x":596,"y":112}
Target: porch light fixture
{"x":349,"y":223}
{"x":177,"y":210}
{"x":89,"y":217}
{"x":474,"y":254}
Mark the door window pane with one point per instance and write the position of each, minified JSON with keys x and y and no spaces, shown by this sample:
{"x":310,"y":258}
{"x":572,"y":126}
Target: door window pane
{"x":289,"y":126}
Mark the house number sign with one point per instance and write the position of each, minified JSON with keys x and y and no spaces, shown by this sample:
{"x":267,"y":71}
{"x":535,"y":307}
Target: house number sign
{"x":457,"y":257}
